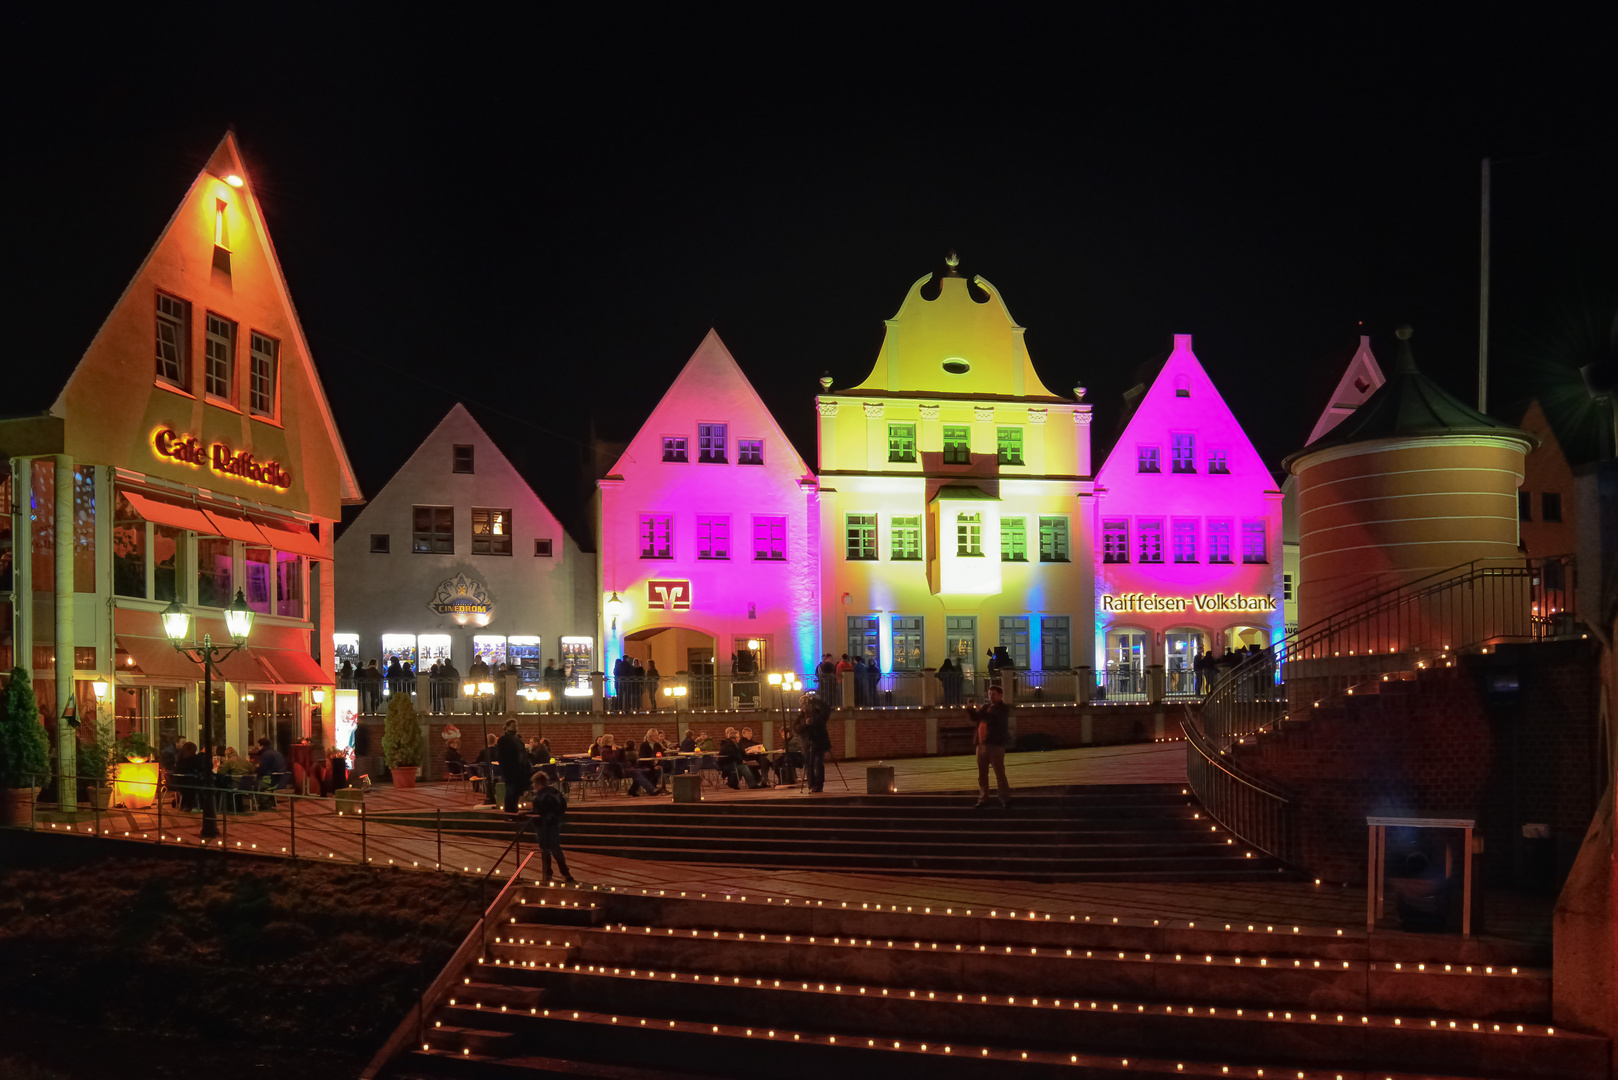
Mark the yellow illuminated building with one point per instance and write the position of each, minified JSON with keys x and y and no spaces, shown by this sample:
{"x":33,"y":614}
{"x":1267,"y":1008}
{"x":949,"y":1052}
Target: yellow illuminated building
{"x":954,"y":495}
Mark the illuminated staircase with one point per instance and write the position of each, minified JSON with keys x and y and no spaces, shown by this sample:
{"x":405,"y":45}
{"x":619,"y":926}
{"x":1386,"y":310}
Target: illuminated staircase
{"x":647,"y":984}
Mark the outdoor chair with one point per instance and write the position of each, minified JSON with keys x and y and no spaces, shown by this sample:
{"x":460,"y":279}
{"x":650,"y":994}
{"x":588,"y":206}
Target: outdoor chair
{"x":590,"y":774}
{"x":572,"y":773}
{"x":708,"y":765}
{"x":455,"y":772}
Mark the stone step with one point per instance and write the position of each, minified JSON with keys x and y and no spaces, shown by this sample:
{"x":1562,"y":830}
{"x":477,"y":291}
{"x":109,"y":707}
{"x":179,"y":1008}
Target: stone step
{"x":1200,"y":978}
{"x":1298,"y":1038}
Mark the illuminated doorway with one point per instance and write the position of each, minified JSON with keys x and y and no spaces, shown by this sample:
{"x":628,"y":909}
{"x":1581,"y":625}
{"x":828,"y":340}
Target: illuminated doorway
{"x":1182,"y":646}
{"x":1240,"y":637}
{"x":1125,"y":676}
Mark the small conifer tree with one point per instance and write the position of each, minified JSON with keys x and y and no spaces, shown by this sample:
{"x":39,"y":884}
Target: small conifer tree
{"x":401,"y":733}
{"x":24,"y":750}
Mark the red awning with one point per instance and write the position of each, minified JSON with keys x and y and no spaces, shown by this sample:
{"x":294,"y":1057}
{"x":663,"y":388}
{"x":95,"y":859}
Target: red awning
{"x":294,"y":667}
{"x":299,"y":540}
{"x":154,"y":657}
{"x":171,"y":514}
{"x":140,"y":636}
{"x":234,"y":528}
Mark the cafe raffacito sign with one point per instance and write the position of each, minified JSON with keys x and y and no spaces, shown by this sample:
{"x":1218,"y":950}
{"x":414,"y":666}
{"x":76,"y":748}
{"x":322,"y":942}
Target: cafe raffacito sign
{"x":1150,"y":602}
{"x":172,"y":445}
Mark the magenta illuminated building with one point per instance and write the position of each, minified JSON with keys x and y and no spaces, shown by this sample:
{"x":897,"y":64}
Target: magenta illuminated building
{"x":1188,"y":537}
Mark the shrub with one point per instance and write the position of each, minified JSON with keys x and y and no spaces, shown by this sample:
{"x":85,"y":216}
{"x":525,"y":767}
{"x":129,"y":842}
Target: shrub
{"x":24,"y":750}
{"x":401,"y":734}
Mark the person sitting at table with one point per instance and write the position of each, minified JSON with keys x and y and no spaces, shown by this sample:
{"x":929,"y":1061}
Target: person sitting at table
{"x":595,"y":747}
{"x":271,"y":764}
{"x":760,"y":760}
{"x":705,"y":743}
{"x":652,"y":749}
{"x":688,"y":745}
{"x":786,"y":766}
{"x":733,"y":763}
{"x":612,"y":758}
{"x":454,"y":764}
{"x":486,"y":755}
{"x":637,"y":773}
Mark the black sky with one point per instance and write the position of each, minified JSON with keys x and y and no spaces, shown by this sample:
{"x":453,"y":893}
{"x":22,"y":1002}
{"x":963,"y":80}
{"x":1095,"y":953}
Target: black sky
{"x":541,"y":213}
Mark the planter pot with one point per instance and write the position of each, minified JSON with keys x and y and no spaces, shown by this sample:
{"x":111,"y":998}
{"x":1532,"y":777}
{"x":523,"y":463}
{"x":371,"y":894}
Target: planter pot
{"x":136,"y":783}
{"x":101,"y":797}
{"x":18,"y":805}
{"x":404,"y":777}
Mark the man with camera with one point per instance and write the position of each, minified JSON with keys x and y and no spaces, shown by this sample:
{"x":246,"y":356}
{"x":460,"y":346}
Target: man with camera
{"x":993,"y":728}
{"x":811,"y":726}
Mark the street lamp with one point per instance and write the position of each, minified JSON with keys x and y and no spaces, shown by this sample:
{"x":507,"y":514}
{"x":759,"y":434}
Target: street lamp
{"x":614,"y":608}
{"x":177,"y":625}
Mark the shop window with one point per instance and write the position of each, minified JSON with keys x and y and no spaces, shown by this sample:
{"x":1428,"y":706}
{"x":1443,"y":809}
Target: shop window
{"x":656,"y":536}
{"x":1184,"y":448}
{"x":1014,"y":636}
{"x":1219,"y":541}
{"x":1053,"y":540}
{"x":1218,"y":462}
{"x":214,"y":572}
{"x":220,"y":373}
{"x":1013,"y":539}
{"x":905,"y":539}
{"x":542,"y":549}
{"x":346,"y":647}
{"x":1115,"y":541}
{"x":1550,"y":506}
{"x":957,"y":445}
{"x":173,"y":314}
{"x":1056,"y":642}
{"x":713,"y":537}
{"x":674,"y":448}
{"x":264,"y":358}
{"x":1008,"y":445}
{"x":491,"y":531}
{"x":1525,"y":506}
{"x":908,"y":642}
{"x":711,"y":444}
{"x":1148,"y":459}
{"x":491,"y":649}
{"x":84,"y":529}
{"x":128,"y":549}
{"x":1253,"y":545}
{"x":749,"y":451}
{"x":401,"y":647}
{"x":861,"y":536}
{"x":863,"y":631}
{"x":769,"y":539}
{"x":433,"y":530}
{"x":968,"y":535}
{"x":381,"y":543}
{"x":901,"y":442}
{"x":1149,"y":533}
{"x":256,"y":578}
{"x":289,"y":584}
{"x":431,"y":649}
{"x":1185,"y":540}
{"x":461,"y":459}
{"x":167,"y":554}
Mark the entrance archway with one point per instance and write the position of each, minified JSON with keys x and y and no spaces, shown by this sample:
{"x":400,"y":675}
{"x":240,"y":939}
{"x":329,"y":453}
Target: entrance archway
{"x":1125,"y":675}
{"x":677,"y":649}
{"x":1240,"y":637}
{"x":1182,"y":645}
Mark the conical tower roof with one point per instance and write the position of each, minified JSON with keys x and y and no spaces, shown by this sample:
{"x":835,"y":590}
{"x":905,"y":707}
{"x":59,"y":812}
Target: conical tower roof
{"x":1410,"y":405}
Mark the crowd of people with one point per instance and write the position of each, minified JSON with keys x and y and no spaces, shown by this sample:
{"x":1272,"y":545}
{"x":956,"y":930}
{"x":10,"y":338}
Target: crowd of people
{"x":634,"y":686}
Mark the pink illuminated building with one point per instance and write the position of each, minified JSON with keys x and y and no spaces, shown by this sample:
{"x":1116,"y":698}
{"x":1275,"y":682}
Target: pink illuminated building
{"x":706,"y":541}
{"x":1188,"y":537}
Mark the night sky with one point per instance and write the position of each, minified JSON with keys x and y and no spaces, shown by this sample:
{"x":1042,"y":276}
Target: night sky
{"x":541,"y":216}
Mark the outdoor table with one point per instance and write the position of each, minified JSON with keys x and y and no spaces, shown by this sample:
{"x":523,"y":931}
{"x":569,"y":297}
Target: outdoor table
{"x":1377,"y":876}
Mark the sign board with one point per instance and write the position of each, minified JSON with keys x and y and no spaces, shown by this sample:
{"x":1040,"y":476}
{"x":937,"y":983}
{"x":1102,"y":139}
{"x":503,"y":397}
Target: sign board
{"x":172,"y":445}
{"x":666,"y":595}
{"x":462,"y":596}
{"x":1151,"y":602}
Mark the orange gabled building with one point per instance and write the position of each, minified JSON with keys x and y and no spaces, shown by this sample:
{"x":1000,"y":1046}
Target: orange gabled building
{"x":190,"y":453}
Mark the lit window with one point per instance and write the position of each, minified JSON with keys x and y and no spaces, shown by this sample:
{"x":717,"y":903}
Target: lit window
{"x":1217,"y":461}
{"x":1053,"y":539}
{"x":265,"y":353}
{"x":862,"y":636}
{"x":1185,"y":453}
{"x":968,"y":534}
{"x":674,"y":448}
{"x":908,"y":648}
{"x":1014,"y":636}
{"x":769,"y":539}
{"x":433,"y":530}
{"x":901,"y":442}
{"x":491,"y":531}
{"x":542,"y":549}
{"x":1550,"y":506}
{"x":289,"y":584}
{"x":1253,"y":546}
{"x":461,"y":462}
{"x":713,"y":537}
{"x":171,"y":340}
{"x":221,"y":357}
{"x":711,"y":444}
{"x":1148,"y":459}
{"x":957,"y":445}
{"x":381,"y":543}
{"x":749,"y":451}
{"x":656,"y":536}
{"x":1149,"y":533}
{"x":1219,"y":541}
{"x":1008,"y":444}
{"x":1056,"y":642}
{"x":906,"y":539}
{"x":1115,"y":541}
{"x":1013,"y":539}
{"x":861,"y":536}
{"x":1185,"y":540}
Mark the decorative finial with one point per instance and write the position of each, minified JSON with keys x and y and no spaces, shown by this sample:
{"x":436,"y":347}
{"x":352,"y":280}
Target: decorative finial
{"x":1403,"y":333}
{"x":952,"y":260}
{"x":1407,"y":359}
{"x":1079,"y":392}
{"x":825,"y":382}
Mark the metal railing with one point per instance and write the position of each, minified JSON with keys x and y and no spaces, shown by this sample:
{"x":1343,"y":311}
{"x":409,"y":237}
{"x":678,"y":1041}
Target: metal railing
{"x":1257,"y":814}
{"x":1121,"y":685}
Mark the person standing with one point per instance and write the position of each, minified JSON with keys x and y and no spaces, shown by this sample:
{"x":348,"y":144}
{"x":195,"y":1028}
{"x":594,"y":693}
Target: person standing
{"x":653,"y":677}
{"x":993,"y":728}
{"x":549,"y":807}
{"x":514,"y":770}
{"x":812,"y":717}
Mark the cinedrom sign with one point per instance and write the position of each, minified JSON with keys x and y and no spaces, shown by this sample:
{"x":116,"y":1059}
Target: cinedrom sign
{"x":241,"y":464}
{"x":1150,"y":602}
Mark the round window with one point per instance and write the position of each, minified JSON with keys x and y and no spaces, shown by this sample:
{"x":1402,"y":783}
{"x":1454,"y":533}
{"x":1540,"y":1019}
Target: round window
{"x":956,"y":366}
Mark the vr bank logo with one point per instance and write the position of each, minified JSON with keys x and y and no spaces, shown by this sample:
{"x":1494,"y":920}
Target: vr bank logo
{"x":665,"y":595}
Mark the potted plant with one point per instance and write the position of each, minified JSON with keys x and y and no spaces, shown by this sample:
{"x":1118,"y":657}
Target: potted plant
{"x":401,"y":741}
{"x":135,"y":772}
{"x":24,"y":750}
{"x":94,"y":764}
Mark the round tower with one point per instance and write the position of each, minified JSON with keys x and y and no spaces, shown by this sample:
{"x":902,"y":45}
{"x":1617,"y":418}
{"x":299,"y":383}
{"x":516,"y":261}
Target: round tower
{"x":1412,"y":483}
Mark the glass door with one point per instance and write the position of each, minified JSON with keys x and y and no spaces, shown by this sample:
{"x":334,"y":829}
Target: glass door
{"x":961,"y":642}
{"x":1126,"y":662}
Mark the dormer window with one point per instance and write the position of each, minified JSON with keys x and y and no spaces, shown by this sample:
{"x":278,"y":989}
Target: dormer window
{"x":221,"y":227}
{"x":461,"y":459}
{"x":1182,"y":386}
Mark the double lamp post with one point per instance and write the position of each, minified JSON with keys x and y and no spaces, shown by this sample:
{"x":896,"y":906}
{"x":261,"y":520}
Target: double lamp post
{"x":177,"y":626}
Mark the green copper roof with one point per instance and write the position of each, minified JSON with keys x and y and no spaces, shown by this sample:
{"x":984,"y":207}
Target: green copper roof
{"x":1409,"y":405}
